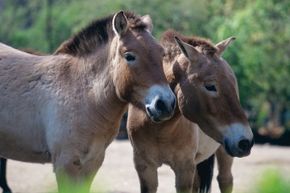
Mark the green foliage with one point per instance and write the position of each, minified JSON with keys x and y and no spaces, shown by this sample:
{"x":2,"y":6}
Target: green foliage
{"x":260,"y":56}
{"x":184,"y":16}
{"x":273,"y":181}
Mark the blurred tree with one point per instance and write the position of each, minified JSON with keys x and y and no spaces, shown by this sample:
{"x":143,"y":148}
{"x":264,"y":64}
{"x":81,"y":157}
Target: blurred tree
{"x":261,"y":54}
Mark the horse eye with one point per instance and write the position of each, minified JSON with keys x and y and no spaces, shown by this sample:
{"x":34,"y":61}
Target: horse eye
{"x":129,"y":57}
{"x":211,"y":88}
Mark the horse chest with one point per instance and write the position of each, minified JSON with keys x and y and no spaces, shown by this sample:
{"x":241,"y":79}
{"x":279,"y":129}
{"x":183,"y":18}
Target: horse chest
{"x":206,"y":147}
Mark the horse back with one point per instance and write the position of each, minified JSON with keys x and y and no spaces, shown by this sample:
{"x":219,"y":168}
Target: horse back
{"x":7,"y":50}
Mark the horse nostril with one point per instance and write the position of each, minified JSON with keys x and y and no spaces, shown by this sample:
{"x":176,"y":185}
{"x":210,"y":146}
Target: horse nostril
{"x":245,"y":145}
{"x":160,"y":106}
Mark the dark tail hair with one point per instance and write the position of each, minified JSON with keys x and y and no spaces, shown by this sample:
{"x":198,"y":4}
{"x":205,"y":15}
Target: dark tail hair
{"x":3,"y":180}
{"x":205,"y":172}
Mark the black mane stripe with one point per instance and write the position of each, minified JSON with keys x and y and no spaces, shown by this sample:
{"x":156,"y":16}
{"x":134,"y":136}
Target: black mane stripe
{"x":96,"y":34}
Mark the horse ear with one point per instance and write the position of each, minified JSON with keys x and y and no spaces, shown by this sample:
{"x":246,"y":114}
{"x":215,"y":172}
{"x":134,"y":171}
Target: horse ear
{"x":148,"y":21}
{"x":120,"y":23}
{"x":188,"y":50}
{"x":221,"y":46}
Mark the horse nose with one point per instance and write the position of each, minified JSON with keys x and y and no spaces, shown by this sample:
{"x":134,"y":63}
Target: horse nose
{"x":160,"y":103}
{"x":245,"y":145}
{"x":238,"y":140}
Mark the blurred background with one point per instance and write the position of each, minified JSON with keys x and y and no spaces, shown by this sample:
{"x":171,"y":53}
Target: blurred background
{"x":260,"y":56}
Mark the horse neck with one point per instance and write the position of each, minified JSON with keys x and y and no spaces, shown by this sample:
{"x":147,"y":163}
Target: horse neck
{"x":107,"y":103}
{"x":94,"y":78}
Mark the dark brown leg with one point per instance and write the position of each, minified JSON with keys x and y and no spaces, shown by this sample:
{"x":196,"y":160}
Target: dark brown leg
{"x":147,"y":175}
{"x":184,"y":174}
{"x":3,"y":180}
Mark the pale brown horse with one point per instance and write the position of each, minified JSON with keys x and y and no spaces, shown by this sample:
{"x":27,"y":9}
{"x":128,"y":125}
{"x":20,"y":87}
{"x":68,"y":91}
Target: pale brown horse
{"x":64,"y":108}
{"x":206,"y":90}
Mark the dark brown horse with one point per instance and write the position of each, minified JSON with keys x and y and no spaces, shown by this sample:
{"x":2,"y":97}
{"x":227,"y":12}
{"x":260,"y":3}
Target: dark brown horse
{"x":64,"y":108}
{"x":206,"y":89}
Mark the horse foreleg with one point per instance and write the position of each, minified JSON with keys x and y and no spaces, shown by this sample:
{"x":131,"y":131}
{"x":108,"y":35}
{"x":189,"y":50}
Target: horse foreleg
{"x":147,"y":174}
{"x":184,"y":175}
{"x":3,"y":179}
{"x":225,"y":177}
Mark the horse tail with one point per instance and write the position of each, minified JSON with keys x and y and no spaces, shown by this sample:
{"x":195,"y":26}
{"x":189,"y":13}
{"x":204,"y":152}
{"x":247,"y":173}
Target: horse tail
{"x":205,"y":172}
{"x":3,"y":180}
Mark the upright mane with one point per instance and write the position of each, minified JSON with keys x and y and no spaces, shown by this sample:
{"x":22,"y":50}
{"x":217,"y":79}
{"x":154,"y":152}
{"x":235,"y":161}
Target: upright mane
{"x":96,"y":34}
{"x":171,"y":48}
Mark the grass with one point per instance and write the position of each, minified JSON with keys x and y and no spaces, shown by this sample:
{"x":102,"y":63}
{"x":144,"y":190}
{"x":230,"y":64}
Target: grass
{"x":273,"y":181}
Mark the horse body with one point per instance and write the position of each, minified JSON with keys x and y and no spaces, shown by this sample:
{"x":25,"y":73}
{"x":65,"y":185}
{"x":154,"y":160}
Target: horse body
{"x":47,"y":105}
{"x":21,"y":103}
{"x":65,"y":108}
{"x":160,"y":142}
{"x":207,"y":95}
{"x":176,"y":137}
{"x":178,"y":142}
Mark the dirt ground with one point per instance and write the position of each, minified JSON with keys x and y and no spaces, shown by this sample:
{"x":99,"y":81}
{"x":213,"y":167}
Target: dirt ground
{"x":117,"y":175}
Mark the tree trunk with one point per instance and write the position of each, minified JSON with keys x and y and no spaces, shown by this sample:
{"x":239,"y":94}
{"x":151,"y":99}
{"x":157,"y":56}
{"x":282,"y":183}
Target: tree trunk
{"x":48,"y":30}
{"x":274,"y":124}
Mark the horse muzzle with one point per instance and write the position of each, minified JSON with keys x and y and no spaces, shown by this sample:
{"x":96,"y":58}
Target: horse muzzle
{"x":238,"y":140}
{"x":160,"y":103}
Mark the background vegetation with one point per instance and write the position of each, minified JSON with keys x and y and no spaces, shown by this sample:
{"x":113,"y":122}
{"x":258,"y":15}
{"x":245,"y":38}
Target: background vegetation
{"x":272,"y":181}
{"x":260,"y":56}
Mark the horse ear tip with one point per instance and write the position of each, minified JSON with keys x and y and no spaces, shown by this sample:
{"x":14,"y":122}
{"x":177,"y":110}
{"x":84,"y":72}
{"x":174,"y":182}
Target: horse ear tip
{"x":233,"y":38}
{"x":120,"y":12}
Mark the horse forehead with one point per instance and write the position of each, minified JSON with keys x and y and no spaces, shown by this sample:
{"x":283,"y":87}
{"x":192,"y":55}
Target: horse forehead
{"x":146,"y":40}
{"x":207,"y":67}
{"x":218,"y":70}
{"x":144,"y":44}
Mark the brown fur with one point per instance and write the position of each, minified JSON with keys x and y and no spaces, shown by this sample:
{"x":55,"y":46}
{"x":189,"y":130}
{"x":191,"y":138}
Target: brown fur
{"x":65,"y":108}
{"x":167,"y":38}
{"x":179,"y":142}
